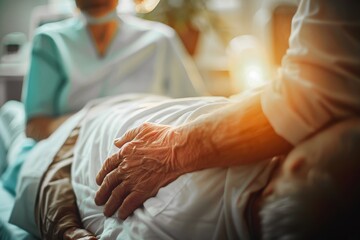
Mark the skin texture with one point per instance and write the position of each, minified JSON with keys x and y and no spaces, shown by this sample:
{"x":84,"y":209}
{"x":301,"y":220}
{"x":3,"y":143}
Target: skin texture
{"x":156,"y":169}
{"x":151,"y":156}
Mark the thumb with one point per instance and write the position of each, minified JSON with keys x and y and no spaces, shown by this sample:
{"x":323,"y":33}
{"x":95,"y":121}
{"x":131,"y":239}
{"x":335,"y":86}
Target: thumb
{"x":127,"y":137}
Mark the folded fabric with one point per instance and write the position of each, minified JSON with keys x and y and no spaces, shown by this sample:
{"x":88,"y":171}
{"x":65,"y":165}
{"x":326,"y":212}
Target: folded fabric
{"x":12,"y":123}
{"x":8,"y":230}
{"x":3,"y":151}
{"x":10,"y":176}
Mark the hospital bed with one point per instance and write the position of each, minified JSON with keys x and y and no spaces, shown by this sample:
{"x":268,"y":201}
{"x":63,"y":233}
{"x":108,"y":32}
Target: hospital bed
{"x":7,"y":202}
{"x":164,"y":210}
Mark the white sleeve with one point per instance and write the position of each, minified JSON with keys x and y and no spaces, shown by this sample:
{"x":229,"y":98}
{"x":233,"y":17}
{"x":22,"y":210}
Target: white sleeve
{"x":319,"y":79}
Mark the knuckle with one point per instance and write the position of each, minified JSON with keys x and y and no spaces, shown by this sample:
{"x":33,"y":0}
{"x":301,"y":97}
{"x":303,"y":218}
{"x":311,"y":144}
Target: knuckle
{"x":127,"y":135}
{"x":119,"y":192}
{"x":106,"y":164}
{"x":131,"y":133}
{"x":117,"y":155}
{"x":127,"y":149}
{"x":110,"y":160}
{"x":107,"y":181}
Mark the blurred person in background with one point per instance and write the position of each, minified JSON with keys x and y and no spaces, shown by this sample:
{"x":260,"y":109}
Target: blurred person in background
{"x":93,"y":55}
{"x":100,"y":54}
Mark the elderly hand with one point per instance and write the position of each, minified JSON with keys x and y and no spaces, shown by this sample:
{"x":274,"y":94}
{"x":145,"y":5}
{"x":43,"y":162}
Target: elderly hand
{"x":150,"y":157}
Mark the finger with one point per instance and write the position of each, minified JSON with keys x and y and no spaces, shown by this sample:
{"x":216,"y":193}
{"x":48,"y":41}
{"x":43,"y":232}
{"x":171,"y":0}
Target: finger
{"x":130,"y":204}
{"x":116,"y":199}
{"x":127,"y":137}
{"x":109,"y":165}
{"x":110,"y":182}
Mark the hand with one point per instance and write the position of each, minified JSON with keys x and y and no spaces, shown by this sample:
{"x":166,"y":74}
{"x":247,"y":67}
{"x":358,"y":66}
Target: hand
{"x":148,"y":159}
{"x":78,"y":234}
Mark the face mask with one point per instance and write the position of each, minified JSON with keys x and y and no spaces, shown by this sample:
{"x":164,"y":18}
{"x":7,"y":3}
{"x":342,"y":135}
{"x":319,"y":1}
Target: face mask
{"x":100,"y":20}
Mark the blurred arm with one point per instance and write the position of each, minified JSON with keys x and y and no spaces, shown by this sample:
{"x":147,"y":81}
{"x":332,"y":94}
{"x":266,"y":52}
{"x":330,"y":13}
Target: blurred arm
{"x":40,"y":128}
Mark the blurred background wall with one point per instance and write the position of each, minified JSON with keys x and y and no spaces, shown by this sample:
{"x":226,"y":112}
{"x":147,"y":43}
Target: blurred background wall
{"x":15,"y":15}
{"x":236,"y":44}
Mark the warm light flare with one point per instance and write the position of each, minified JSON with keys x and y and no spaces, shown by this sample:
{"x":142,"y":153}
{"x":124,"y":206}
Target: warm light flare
{"x":248,"y":64}
{"x":145,"y":6}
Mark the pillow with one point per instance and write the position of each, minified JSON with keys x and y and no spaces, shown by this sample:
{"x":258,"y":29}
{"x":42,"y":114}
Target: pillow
{"x":12,"y":123}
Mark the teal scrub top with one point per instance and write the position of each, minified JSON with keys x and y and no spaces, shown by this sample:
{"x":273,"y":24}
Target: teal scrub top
{"x":66,"y":71}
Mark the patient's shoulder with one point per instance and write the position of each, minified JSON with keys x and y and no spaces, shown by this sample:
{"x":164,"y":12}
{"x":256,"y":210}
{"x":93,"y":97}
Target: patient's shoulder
{"x":60,"y":28}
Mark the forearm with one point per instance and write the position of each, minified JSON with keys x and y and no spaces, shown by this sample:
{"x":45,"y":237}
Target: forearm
{"x":40,"y":128}
{"x":237,"y":134}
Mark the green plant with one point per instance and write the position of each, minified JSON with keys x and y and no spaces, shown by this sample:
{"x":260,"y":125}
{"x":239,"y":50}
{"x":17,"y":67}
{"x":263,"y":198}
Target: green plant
{"x":176,"y":13}
{"x":180,"y":15}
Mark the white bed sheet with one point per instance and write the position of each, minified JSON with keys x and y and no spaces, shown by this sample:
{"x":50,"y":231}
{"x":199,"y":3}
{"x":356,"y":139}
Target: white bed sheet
{"x":208,"y":204}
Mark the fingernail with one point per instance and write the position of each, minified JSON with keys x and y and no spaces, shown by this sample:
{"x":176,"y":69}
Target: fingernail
{"x":117,"y":140}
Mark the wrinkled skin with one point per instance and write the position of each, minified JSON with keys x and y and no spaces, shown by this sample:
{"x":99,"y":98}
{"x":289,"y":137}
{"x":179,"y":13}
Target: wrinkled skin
{"x":152,"y":155}
{"x":147,"y":160}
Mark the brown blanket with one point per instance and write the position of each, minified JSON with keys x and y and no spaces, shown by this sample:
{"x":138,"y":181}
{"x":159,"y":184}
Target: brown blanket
{"x":57,"y":214}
